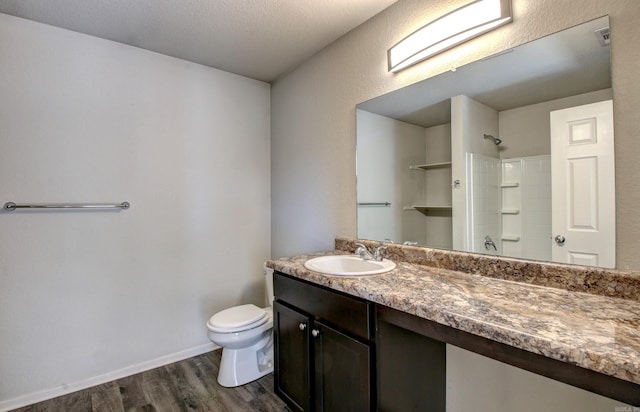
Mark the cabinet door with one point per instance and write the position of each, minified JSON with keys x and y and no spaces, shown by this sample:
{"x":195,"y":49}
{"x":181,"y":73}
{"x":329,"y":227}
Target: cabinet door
{"x":291,"y":373}
{"x":342,"y":371}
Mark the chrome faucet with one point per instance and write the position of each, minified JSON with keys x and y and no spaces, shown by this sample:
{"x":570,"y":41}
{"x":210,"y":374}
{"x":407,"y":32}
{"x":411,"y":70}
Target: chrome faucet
{"x":488,"y":242}
{"x":364,"y":253}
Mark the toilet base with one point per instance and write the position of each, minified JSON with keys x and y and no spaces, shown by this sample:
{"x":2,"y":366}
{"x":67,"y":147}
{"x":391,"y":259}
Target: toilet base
{"x":240,"y":366}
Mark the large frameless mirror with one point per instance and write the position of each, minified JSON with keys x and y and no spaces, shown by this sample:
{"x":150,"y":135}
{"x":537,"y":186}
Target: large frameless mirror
{"x":511,"y":155}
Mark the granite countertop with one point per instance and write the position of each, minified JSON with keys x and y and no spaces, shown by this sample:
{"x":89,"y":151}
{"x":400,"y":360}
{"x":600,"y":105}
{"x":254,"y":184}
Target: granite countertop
{"x":596,"y":332}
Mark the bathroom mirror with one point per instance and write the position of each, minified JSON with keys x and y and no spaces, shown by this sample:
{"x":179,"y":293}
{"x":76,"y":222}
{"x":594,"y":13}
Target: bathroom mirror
{"x":463,"y":160}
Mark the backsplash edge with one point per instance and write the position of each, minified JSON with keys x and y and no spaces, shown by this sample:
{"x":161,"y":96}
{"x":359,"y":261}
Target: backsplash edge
{"x":593,"y":280}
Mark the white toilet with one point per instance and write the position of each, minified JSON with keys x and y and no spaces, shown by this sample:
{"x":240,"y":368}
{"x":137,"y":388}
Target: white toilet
{"x":245,"y":334}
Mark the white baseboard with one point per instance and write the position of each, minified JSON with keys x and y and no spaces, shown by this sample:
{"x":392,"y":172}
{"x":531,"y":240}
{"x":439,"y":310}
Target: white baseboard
{"x":50,"y":393}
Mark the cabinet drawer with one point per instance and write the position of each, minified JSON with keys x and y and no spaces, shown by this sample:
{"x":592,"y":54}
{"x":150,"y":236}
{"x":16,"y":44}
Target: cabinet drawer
{"x":344,"y":312}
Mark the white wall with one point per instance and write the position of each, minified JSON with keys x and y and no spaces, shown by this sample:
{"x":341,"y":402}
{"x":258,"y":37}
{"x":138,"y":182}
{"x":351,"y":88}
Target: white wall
{"x":526,"y":131}
{"x":470,"y":121}
{"x":536,"y":207}
{"x":313,"y":130}
{"x":492,"y":386}
{"x":84,"y":294}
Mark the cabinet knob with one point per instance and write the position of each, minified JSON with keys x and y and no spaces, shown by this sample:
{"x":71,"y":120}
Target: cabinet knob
{"x":302,"y":326}
{"x":315,"y":333}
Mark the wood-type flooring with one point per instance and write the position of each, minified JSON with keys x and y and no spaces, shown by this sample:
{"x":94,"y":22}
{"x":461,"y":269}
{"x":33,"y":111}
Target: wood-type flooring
{"x":188,"y":385}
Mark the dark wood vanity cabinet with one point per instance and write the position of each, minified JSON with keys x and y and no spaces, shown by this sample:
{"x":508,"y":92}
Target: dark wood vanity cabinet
{"x":324,"y":351}
{"x":411,"y":370}
{"x":292,"y":357}
{"x":336,"y":352}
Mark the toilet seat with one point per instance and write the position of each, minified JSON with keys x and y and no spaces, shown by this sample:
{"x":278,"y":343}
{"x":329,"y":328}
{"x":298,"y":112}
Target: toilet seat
{"x":237,"y":319}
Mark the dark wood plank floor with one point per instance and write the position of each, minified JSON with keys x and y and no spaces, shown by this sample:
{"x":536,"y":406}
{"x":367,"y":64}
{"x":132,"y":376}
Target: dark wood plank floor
{"x":188,"y":385}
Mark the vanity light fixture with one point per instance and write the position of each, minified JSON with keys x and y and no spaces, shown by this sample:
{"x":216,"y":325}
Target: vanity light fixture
{"x":460,"y":25}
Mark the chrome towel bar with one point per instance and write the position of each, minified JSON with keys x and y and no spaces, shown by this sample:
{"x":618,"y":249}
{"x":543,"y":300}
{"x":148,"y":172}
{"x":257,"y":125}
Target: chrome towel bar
{"x":387,"y":204}
{"x":10,"y":206}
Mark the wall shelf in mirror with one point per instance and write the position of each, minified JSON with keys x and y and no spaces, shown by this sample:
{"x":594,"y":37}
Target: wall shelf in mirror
{"x":430,"y":166}
{"x":513,"y":184}
{"x":429,"y":209}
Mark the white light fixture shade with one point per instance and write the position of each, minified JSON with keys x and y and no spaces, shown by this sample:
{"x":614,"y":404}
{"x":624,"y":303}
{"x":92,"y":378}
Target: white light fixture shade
{"x":448,"y":31}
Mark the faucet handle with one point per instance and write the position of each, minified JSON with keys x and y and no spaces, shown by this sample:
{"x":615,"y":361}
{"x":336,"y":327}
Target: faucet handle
{"x":488,"y":242}
{"x":362,"y":251}
{"x":377,"y":255}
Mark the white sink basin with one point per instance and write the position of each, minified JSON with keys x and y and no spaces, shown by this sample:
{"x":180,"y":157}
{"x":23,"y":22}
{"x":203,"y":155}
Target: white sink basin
{"x":348,"y":265}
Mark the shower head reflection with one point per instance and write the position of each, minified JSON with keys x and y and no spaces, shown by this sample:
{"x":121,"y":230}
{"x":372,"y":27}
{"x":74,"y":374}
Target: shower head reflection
{"x":495,"y":140}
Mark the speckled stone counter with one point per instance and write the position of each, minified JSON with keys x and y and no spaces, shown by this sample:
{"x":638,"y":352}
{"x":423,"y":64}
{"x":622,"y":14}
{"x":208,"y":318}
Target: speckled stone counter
{"x":592,"y":330}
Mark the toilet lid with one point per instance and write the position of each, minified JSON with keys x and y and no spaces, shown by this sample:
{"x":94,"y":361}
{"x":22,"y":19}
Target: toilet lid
{"x":238,"y":317}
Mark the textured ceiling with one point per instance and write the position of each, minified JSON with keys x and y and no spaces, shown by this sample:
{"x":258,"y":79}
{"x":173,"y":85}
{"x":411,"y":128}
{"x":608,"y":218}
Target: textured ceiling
{"x":261,"y":39}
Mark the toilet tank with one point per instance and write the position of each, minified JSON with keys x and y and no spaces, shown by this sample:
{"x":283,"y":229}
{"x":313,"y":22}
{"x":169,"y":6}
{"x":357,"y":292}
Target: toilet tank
{"x":268,"y":273}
